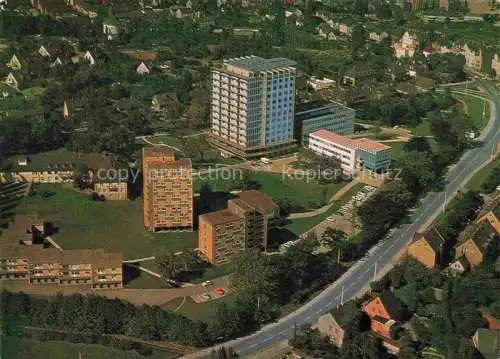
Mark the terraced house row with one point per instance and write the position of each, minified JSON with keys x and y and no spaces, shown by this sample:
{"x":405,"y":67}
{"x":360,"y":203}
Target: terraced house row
{"x":23,"y":257}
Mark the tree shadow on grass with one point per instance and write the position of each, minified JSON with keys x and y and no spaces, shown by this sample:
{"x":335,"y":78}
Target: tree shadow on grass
{"x":130,"y":273}
{"x":277,"y":236}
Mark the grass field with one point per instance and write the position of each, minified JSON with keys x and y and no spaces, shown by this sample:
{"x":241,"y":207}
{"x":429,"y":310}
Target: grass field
{"x":476,"y":182}
{"x":299,"y":191}
{"x":14,"y":348}
{"x":424,"y":129}
{"x":302,"y":225}
{"x":203,"y":311}
{"x":475,"y":108}
{"x":118,"y":226}
{"x":397,"y":149}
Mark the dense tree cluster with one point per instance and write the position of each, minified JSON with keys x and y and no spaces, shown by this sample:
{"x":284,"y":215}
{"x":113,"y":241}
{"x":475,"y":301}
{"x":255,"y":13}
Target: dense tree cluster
{"x":263,"y":284}
{"x":97,"y":315}
{"x":402,"y":110}
{"x":441,"y":312}
{"x":383,"y":210}
{"x":493,"y":179}
{"x":446,"y":307}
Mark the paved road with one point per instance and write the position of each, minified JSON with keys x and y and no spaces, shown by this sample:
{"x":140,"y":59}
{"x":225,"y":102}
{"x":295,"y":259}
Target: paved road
{"x":359,"y":277}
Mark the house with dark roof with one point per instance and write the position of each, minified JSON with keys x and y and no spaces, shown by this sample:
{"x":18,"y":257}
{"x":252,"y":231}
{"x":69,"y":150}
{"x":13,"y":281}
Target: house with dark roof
{"x":385,"y":311}
{"x":473,"y":242}
{"x":487,"y":342}
{"x":336,"y":323}
{"x":427,"y":248}
{"x":491,"y":213}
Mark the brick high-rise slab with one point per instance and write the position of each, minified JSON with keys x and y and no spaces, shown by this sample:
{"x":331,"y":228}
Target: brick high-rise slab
{"x":167,"y":191}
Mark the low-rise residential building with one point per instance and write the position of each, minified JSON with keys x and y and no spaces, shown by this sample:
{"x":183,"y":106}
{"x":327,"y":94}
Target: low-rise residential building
{"x":142,"y":69}
{"x":43,"y":51}
{"x":244,"y":224}
{"x":444,"y":4}
{"x":405,"y":47}
{"x":14,"y":63}
{"x":56,"y":173}
{"x":491,"y":213}
{"x":473,"y":57}
{"x":94,"y":267}
{"x":487,"y":342}
{"x":473,"y":243}
{"x":11,"y":80}
{"x":110,"y":25}
{"x":335,"y":324}
{"x":56,"y":62}
{"x":353,"y":154}
{"x":320,"y":84}
{"x":427,"y":248}
{"x":111,"y":189}
{"x":378,"y":36}
{"x":43,"y":168}
{"x":385,"y":312}
{"x":23,"y":257}
{"x":314,"y":116}
{"x":345,"y":29}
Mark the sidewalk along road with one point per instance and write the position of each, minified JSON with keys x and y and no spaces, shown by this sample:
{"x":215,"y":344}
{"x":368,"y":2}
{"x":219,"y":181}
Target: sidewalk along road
{"x":383,"y":254}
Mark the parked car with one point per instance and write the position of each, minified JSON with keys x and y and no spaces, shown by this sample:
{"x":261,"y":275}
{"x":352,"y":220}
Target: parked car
{"x":207,"y":283}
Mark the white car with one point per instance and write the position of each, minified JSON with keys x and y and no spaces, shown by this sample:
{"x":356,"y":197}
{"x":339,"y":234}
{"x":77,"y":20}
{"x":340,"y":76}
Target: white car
{"x":207,"y":283}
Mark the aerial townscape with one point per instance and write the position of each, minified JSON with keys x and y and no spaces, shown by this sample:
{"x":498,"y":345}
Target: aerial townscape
{"x":220,"y":179}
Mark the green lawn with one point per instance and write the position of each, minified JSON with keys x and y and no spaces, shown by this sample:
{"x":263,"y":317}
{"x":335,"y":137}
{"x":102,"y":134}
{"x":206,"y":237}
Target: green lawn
{"x":475,"y":108}
{"x":476,"y":182}
{"x":299,"y":191}
{"x":118,"y":225}
{"x":164,"y":139}
{"x":14,"y":348}
{"x":210,"y":155}
{"x":397,"y":149}
{"x":302,"y":225}
{"x":146,"y":281}
{"x":423,"y":129}
{"x":203,"y":311}
{"x":33,"y":92}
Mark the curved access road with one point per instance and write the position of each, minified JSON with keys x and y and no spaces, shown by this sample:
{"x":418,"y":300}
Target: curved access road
{"x":383,"y":254}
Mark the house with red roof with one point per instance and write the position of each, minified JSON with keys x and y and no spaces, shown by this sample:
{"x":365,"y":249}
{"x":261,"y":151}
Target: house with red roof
{"x":385,"y":312}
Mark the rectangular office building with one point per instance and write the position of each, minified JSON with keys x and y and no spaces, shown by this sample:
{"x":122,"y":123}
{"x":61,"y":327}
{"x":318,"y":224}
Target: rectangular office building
{"x":317,"y":115}
{"x":353,"y":154}
{"x":252,"y":106}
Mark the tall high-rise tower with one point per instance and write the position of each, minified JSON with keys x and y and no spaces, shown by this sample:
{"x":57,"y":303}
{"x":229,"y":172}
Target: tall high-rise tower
{"x":167,"y":191}
{"x":252,"y":109}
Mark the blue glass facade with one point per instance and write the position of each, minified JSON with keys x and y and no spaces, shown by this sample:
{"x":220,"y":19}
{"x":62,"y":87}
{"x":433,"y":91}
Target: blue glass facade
{"x":376,"y":161}
{"x":280,"y":108}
